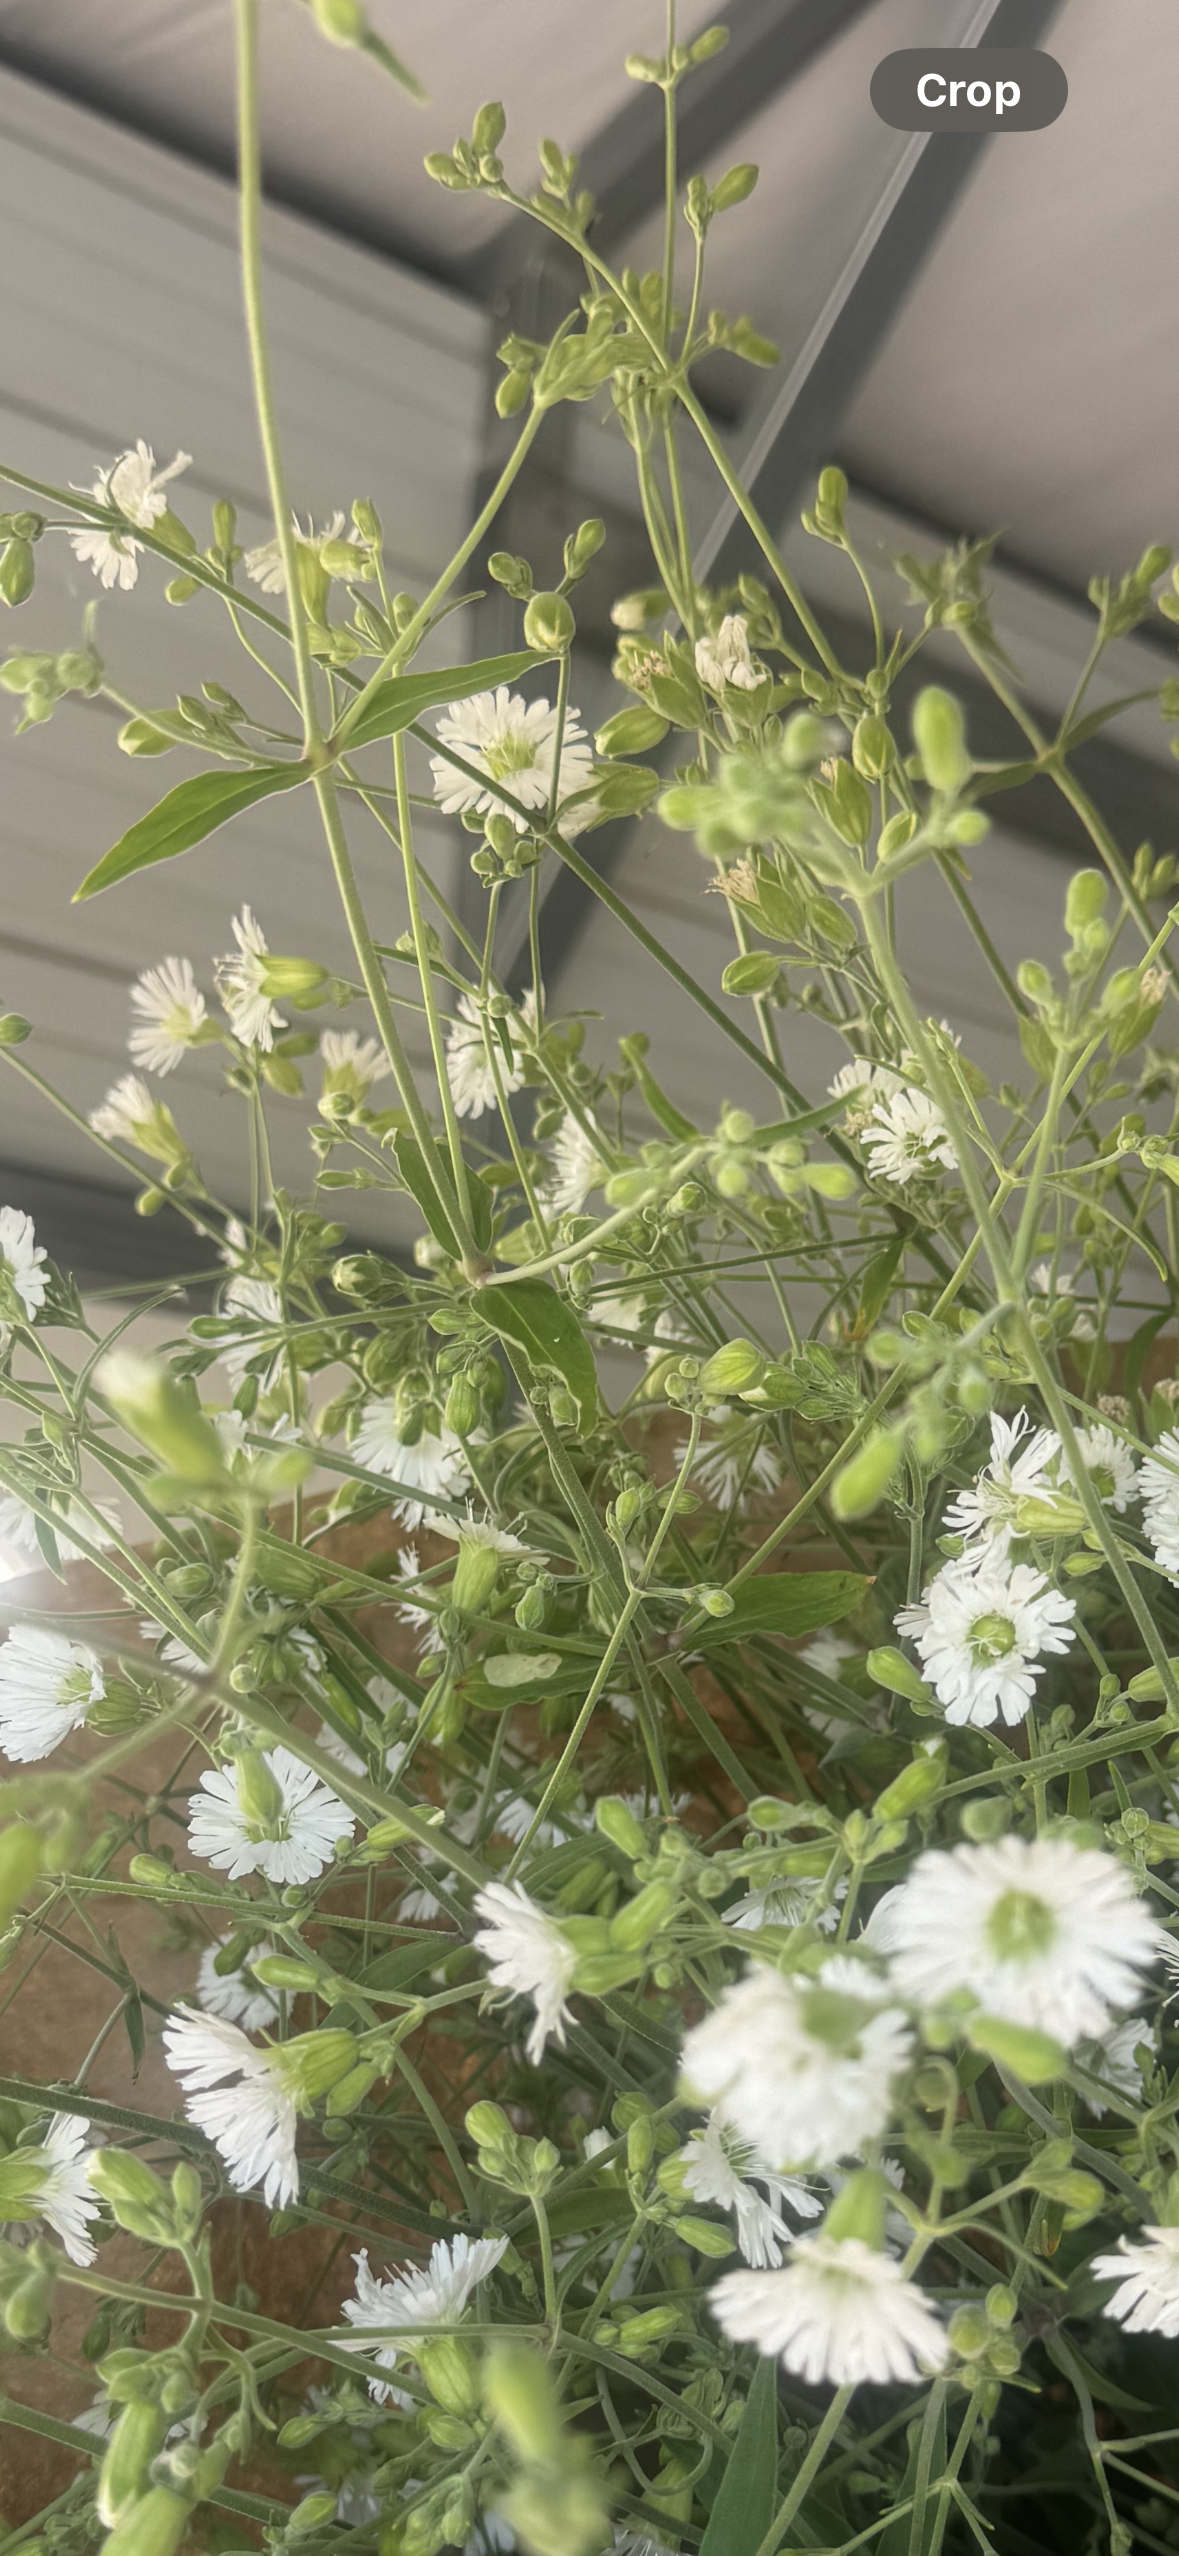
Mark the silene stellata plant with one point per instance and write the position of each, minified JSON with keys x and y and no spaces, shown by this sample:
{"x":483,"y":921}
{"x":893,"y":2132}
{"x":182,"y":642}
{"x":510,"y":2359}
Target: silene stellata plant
{"x":679,"y":1883}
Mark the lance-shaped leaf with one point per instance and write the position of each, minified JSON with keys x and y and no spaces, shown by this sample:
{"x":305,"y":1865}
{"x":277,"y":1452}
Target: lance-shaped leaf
{"x":790,"y":1602}
{"x":397,"y":703}
{"x":533,"y":1319}
{"x":740,"y":2520}
{"x":189,"y":812}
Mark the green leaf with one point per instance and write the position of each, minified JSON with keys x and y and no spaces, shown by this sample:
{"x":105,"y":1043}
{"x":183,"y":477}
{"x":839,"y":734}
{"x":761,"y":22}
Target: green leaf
{"x":634,"y":1049}
{"x":876,"y":1285}
{"x":396,"y":704}
{"x":416,"y":1173}
{"x":1137,"y":1351}
{"x":188,"y":813}
{"x":907,"y":2533}
{"x":747,"y":2500}
{"x":790,"y":1602}
{"x":531,"y":1317}
{"x":399,"y":1967}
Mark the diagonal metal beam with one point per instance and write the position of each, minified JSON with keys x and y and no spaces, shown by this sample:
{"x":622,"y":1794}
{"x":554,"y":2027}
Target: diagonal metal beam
{"x":792,"y":427}
{"x":771,"y":43}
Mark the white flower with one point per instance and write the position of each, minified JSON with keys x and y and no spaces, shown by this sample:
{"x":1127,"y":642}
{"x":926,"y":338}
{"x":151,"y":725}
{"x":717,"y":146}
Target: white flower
{"x":718,"y":2167}
{"x":235,"y":1995}
{"x":173,"y":1652}
{"x":1148,"y":2299}
{"x":171,"y":1010}
{"x":259,"y":1301}
{"x":418,"y":1619}
{"x":251,"y":2123}
{"x":907,"y":1137}
{"x":1037,"y":1930}
{"x":513,"y":742}
{"x":242,"y":984}
{"x":136,"y":489}
{"x":22,"y":1262}
{"x":1159,"y":1484}
{"x":433,"y":1468}
{"x":1109,"y":1464}
{"x":1021,"y":1468}
{"x":981,"y":1630}
{"x":351,"y":1064}
{"x":801,"y":2072}
{"x":839,"y":2313}
{"x":127,"y":1115}
{"x":528,"y":1955}
{"x":18,"y":1528}
{"x":293,"y":1846}
{"x":437,"y":2294}
{"x":52,"y":2182}
{"x":784,"y":1903}
{"x":826,"y":1653}
{"x":47,"y":1685}
{"x":737,"y":1461}
{"x":1047,"y":1283}
{"x":1113,"y":2061}
{"x":264,"y":565}
{"x":862,"y":1084}
{"x":726,"y":657}
{"x":576,"y":1169}
{"x":471,"y":1080}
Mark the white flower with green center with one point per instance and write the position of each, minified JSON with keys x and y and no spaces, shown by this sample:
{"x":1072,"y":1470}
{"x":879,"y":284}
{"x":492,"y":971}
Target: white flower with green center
{"x":472,"y":1082}
{"x":267,"y":1813}
{"x":785,"y":1903}
{"x":1037,"y":1930}
{"x":725,"y":657}
{"x":235,"y":1995}
{"x":530,"y":1956}
{"x":47,"y":1686}
{"x":131,"y":1115}
{"x":838,"y":2314}
{"x":1022,"y":1467}
{"x":1147,"y":2301}
{"x":736,"y":1462}
{"x":172,"y":1015}
{"x":982,"y":1631}
{"x":351,"y":1065}
{"x":724,"y":2170}
{"x":417,"y":2298}
{"x":862,"y":1084}
{"x":1159,"y":1485}
{"x":509,"y":740}
{"x":906,"y":1138}
{"x":52,"y":2182}
{"x":428,"y":1467}
{"x":244,"y":985}
{"x":799,"y":2070}
{"x":137,"y":491}
{"x":19,"y":1539}
{"x":1109,"y":1464}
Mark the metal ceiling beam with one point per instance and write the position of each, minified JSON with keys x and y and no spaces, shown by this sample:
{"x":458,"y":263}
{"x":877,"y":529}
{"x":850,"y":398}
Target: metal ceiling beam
{"x":771,"y":43}
{"x":792,"y":427}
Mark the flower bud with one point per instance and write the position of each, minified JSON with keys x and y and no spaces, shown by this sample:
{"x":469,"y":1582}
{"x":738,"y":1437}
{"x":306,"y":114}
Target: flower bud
{"x":317,"y":2061}
{"x":259,"y":1793}
{"x":716,"y":1602}
{"x":549,"y":625}
{"x":1034,"y":2056}
{"x":731,"y":1369}
{"x":899,"y":831}
{"x":985,"y":1819}
{"x":914,"y":1788}
{"x":631,"y":732}
{"x":280,"y":1970}
{"x":939,"y":733}
{"x":488,"y":2125}
{"x":1002,"y":2306}
{"x":643,"y":1916}
{"x":969,"y":2333}
{"x":187,"y":2194}
{"x":476,"y":1573}
{"x":858,"y":2209}
{"x":28,"y":2307}
{"x":152,"y":2527}
{"x":584,"y":545}
{"x":14,"y":1029}
{"x":848,"y":805}
{"x":831,"y":500}
{"x":18,"y":571}
{"x":734,"y":186}
{"x":860,"y":1485}
{"x":22,"y":1854}
{"x":312,"y":2513}
{"x":293,"y":980}
{"x":518,"y":2393}
{"x":123,"y":2478}
{"x":617,"y":1821}
{"x":163,"y":1415}
{"x":451,"y":2373}
{"x":341,"y":21}
{"x":873,"y":750}
{"x":135,"y":2197}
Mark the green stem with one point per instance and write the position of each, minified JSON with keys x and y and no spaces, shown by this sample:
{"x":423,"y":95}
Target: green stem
{"x":429,"y":997}
{"x":807,"y":2473}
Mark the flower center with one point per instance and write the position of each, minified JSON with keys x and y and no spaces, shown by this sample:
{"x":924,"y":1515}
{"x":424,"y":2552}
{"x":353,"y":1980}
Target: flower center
{"x":509,"y":753}
{"x":991,"y":1637}
{"x":1021,"y":1927}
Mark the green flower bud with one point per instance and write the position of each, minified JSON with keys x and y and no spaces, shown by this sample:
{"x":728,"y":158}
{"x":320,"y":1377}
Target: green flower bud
{"x":939,"y":733}
{"x":488,"y":2125}
{"x":650,"y":2326}
{"x":163,"y":1415}
{"x":462,"y":1407}
{"x":22,"y":1854}
{"x":631,"y":732}
{"x":341,"y":21}
{"x":293,"y":980}
{"x":899,"y":832}
{"x":259,"y":1792}
{"x":858,"y":2209}
{"x":1085,"y":903}
{"x":755,"y":972}
{"x":985,"y":1819}
{"x":1034,"y":2056}
{"x":549,"y":625}
{"x":281,"y":1970}
{"x":14,"y":1029}
{"x":451,"y":2373}
{"x":848,"y":805}
{"x":969,"y":2333}
{"x":518,"y":2393}
{"x":317,"y":2061}
{"x":28,"y":2307}
{"x":584,"y":545}
{"x":643,"y":1916}
{"x":135,"y":2197}
{"x":137,"y":2438}
{"x":18,"y":572}
{"x":731,"y":1369}
{"x":152,"y":2527}
{"x":151,"y":1873}
{"x":861,"y":1484}
{"x":734,"y":186}
{"x":312,"y":2513}
{"x":640,"y":2144}
{"x":187,"y":2194}
{"x":716,"y":1602}
{"x":476,"y":1572}
{"x":617,"y":1822}
{"x":873,"y":749}
{"x":914,"y":1788}
{"x":1002,"y":2306}
{"x":705,"y":2237}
